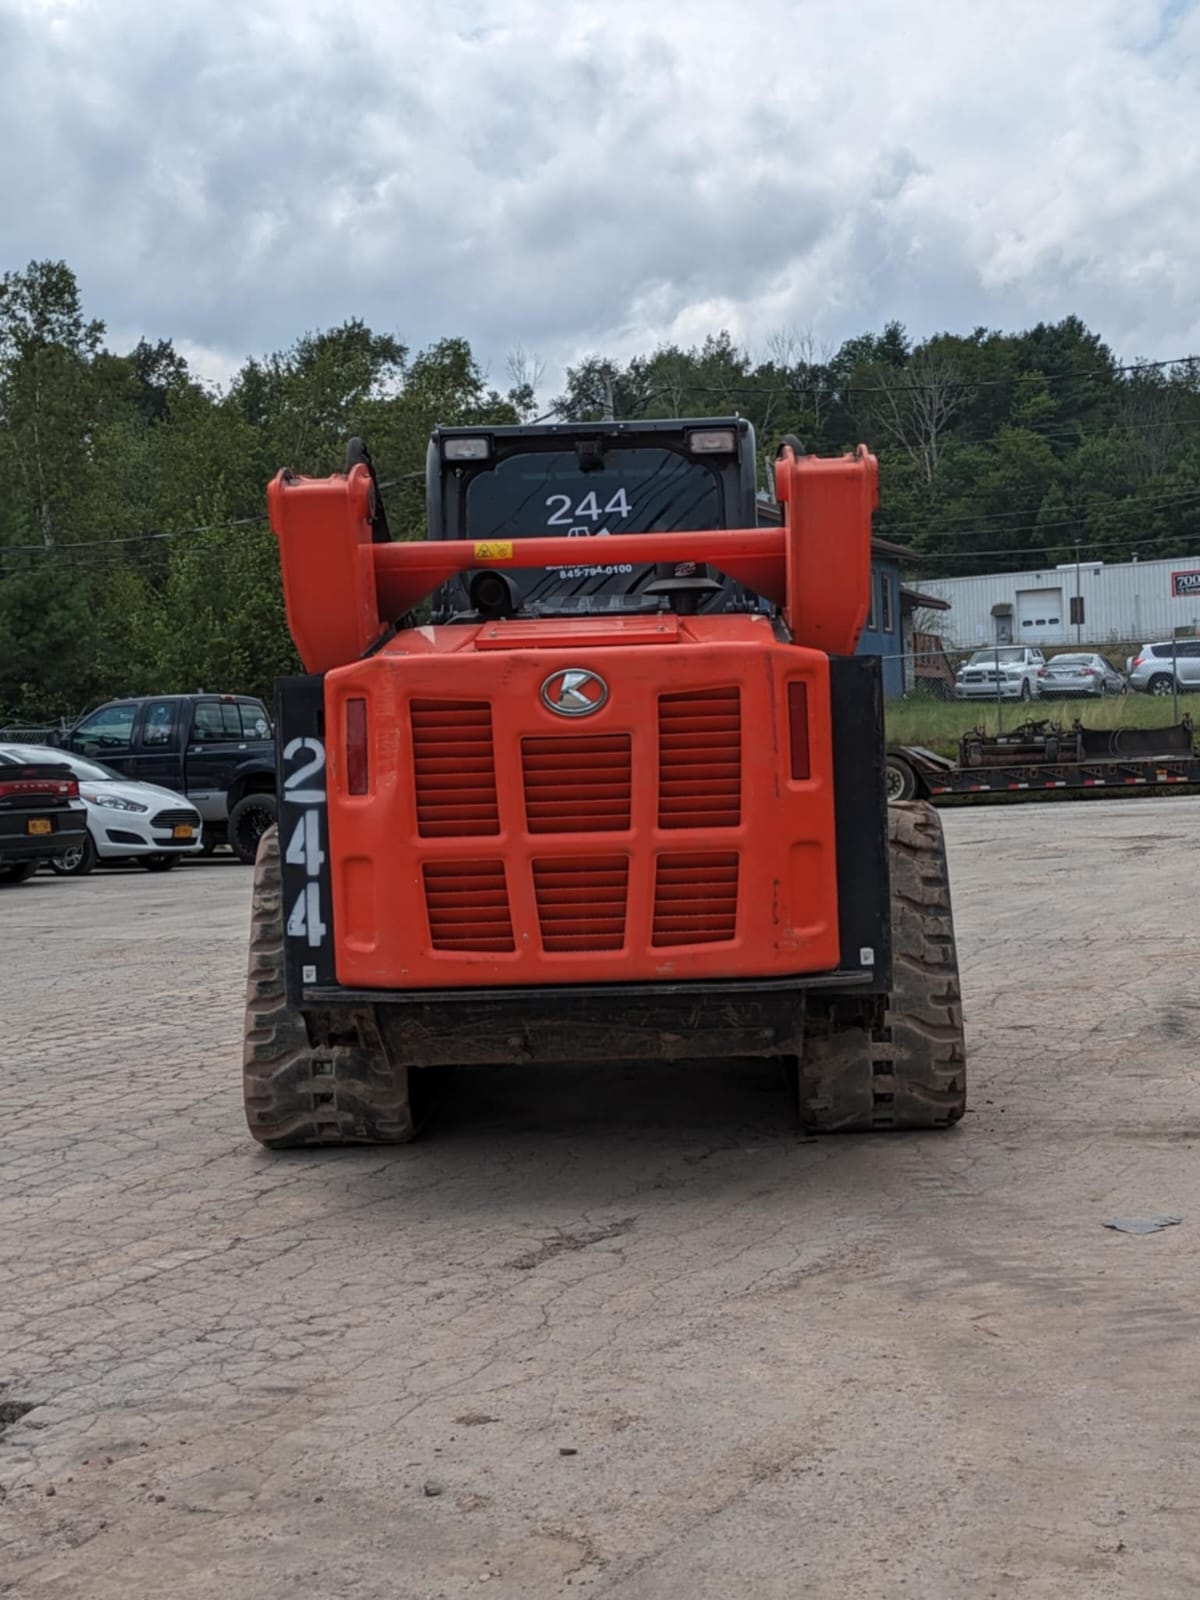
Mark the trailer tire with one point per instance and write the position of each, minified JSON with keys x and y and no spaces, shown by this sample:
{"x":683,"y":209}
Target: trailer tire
{"x":899,"y":1062}
{"x":900,"y":779}
{"x":340,"y":1088}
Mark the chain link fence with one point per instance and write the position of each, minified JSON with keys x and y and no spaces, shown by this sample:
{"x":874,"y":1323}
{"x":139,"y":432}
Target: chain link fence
{"x":930,"y":672}
{"x":52,"y":733}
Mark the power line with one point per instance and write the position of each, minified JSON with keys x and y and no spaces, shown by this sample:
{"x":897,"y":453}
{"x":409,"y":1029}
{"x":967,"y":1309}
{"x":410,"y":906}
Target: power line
{"x":1034,"y":550}
{"x":964,"y":523}
{"x":801,"y":389}
{"x":93,"y":548}
{"x":134,"y":538}
{"x":968,"y":522}
{"x":404,"y":477}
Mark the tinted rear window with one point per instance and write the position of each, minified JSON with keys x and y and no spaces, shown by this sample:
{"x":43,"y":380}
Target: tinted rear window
{"x":548,"y":494}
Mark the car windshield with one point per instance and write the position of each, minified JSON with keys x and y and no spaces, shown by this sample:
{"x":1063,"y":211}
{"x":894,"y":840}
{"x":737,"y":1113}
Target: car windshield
{"x":1072,"y":661}
{"x":89,"y":771}
{"x":549,"y":494}
{"x":987,"y":658}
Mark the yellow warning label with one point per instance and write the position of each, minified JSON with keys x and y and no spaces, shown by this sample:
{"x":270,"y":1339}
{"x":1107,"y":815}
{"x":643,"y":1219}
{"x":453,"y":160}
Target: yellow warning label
{"x":494,"y":550}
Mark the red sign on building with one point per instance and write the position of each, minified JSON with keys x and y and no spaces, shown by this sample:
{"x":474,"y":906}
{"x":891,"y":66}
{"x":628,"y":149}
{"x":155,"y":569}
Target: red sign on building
{"x":1184,"y":584}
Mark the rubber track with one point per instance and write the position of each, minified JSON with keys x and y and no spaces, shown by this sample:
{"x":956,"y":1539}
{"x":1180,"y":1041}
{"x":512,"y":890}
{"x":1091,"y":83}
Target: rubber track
{"x":907,"y":1067}
{"x":340,"y":1090}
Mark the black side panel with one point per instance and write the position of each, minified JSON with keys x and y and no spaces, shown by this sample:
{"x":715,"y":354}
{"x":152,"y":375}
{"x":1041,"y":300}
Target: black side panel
{"x":860,"y":810}
{"x":304,"y":834}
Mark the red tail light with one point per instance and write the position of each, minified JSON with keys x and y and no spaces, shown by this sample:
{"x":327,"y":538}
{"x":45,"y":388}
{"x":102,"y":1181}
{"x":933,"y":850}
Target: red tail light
{"x":50,"y":788}
{"x":798,"y":729}
{"x":1043,"y":672}
{"x":357,"y":766}
{"x":1137,"y":660}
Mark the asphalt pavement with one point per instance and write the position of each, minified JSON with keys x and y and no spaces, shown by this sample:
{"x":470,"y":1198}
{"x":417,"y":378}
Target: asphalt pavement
{"x":610,"y":1333}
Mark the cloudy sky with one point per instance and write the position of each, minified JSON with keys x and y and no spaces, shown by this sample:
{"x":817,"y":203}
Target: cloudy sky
{"x":580,"y":176}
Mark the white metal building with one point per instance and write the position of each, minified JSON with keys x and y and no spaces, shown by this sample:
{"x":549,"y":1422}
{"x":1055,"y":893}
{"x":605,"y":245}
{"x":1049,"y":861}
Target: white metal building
{"x":1092,"y":603}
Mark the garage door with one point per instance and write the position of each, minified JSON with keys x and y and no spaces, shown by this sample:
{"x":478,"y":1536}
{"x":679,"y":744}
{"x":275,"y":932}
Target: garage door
{"x":1040,"y":617}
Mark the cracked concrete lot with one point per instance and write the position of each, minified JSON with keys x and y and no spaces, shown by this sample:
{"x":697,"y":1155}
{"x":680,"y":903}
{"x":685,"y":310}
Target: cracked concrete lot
{"x":608,"y":1335}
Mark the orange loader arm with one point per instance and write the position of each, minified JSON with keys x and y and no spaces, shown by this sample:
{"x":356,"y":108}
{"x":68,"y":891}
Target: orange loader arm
{"x":343,"y":591}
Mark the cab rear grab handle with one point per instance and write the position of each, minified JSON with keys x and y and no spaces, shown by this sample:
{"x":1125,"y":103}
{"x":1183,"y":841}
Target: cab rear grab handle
{"x":342,"y":590}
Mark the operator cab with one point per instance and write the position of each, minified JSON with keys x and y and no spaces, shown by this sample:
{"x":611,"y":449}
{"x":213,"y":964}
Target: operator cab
{"x":584,"y":481}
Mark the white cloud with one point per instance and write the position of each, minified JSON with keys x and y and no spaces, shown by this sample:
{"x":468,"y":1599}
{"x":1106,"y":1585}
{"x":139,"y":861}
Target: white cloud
{"x":604,"y":175}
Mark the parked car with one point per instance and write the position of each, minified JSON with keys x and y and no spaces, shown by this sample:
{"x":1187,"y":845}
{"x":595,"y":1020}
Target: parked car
{"x":1160,"y":668}
{"x":1006,"y":672}
{"x":126,"y":820}
{"x":1076,"y":675}
{"x":218,"y":750}
{"x":41,"y":815}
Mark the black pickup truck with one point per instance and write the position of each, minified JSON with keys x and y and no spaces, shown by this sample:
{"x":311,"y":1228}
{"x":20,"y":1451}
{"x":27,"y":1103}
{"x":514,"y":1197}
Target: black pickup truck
{"x":41,"y":816}
{"x":217,"y":749}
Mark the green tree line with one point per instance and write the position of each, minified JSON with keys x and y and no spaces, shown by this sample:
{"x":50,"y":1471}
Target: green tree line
{"x":135,"y":556}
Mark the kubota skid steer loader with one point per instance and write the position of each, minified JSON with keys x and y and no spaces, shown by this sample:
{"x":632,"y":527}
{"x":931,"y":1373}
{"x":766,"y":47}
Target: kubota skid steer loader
{"x":620,"y":798}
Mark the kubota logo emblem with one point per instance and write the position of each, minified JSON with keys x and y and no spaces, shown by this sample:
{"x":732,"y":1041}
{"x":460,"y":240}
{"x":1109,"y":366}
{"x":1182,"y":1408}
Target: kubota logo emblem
{"x":574,"y":692}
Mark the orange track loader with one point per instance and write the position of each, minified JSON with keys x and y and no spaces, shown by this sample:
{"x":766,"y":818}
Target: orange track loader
{"x":591,"y":773}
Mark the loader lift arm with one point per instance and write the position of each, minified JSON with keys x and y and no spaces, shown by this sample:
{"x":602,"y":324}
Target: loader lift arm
{"x":344,"y":590}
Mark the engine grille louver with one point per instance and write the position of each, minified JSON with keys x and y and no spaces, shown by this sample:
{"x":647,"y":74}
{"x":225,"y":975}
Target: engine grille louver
{"x":700,"y":759}
{"x":577,"y":784}
{"x":581,"y":902}
{"x":454,"y":768}
{"x":467,"y":902}
{"x":695,"y":898}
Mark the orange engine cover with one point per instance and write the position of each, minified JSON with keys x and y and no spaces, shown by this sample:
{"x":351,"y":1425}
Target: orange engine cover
{"x":635,"y":799}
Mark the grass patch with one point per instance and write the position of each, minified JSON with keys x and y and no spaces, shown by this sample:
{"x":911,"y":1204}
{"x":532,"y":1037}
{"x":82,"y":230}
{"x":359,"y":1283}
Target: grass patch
{"x":939,"y":724}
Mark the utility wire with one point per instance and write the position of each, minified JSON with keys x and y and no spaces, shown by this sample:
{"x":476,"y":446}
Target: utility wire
{"x":1139,"y":503}
{"x":801,"y":388}
{"x":968,"y":523}
{"x":964,"y":524}
{"x":135,"y":538}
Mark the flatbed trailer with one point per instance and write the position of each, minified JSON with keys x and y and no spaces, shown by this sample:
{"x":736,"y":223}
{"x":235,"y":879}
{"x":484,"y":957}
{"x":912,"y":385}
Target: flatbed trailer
{"x":1040,"y":757}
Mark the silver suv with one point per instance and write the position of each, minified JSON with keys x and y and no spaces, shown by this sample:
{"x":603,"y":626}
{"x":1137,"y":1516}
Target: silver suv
{"x":1157,"y":668}
{"x":1006,"y":672}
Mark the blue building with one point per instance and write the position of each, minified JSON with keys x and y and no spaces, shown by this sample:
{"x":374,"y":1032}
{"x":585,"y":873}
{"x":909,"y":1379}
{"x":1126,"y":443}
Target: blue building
{"x":883,"y":634}
{"x":910,"y":660}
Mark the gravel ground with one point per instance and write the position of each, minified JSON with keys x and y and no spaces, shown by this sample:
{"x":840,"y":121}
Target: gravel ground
{"x":614,"y":1334}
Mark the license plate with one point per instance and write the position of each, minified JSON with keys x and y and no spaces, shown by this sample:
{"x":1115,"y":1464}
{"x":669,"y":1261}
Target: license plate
{"x":39,"y":825}
{"x":183,"y":831}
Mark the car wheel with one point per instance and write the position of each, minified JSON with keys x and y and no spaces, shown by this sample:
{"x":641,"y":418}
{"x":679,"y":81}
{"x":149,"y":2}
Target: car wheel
{"x":159,"y":863}
{"x":1026,"y":690}
{"x":18,"y":872}
{"x":76,"y":862}
{"x":1160,"y":683}
{"x":248,"y":821}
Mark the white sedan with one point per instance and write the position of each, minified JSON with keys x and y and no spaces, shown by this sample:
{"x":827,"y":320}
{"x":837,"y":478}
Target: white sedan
{"x":127,"y":820}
